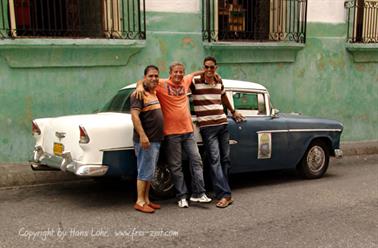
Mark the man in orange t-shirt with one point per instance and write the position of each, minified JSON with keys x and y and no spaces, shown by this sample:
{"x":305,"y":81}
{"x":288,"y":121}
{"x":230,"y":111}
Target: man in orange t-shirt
{"x":178,"y":133}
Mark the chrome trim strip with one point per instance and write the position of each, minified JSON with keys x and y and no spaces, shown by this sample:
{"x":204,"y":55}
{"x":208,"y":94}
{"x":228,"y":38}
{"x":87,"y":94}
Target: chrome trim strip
{"x":316,"y":130}
{"x":118,"y":149}
{"x":274,"y":131}
{"x":301,"y":130}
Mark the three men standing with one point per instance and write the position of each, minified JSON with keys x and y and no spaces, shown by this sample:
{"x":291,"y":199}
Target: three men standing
{"x":208,"y":96}
{"x":178,"y":133}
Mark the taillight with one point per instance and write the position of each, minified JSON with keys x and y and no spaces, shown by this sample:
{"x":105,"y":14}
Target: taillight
{"x":35,"y":129}
{"x":84,"y":138}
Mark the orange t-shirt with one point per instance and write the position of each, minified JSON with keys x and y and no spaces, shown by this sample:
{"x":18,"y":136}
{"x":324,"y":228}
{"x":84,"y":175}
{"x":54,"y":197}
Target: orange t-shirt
{"x":175,"y":105}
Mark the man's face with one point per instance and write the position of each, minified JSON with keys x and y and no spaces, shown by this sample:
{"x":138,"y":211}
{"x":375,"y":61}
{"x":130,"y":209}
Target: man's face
{"x":151,"y":79}
{"x":177,"y":74}
{"x":209,"y":68}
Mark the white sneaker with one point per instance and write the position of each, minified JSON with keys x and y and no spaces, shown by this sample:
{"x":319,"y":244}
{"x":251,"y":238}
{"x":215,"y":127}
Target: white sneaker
{"x":202,"y":199}
{"x":183,"y":203}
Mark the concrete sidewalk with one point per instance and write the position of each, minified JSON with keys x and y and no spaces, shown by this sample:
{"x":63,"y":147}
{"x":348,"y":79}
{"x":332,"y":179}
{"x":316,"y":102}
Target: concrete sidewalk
{"x":21,"y":174}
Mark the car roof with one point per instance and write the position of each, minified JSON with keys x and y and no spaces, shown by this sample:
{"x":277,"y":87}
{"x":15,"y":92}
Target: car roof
{"x":228,"y":84}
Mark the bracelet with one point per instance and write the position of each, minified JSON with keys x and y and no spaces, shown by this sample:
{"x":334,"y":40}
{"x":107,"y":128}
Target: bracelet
{"x":233,"y":111}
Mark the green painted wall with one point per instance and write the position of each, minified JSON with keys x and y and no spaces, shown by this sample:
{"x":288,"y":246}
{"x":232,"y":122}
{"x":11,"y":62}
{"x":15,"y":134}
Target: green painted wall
{"x":59,"y":77}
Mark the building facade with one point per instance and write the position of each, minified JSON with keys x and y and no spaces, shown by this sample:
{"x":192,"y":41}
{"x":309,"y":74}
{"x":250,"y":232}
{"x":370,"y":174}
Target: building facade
{"x":316,"y":57}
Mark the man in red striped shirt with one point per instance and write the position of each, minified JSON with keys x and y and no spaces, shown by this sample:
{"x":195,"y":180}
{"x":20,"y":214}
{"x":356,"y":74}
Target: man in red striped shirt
{"x":208,"y":96}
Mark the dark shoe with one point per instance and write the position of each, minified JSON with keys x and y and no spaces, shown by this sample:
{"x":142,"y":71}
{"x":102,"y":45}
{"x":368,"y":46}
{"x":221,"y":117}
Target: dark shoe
{"x":224,"y":202}
{"x":154,"y":205}
{"x":145,"y":208}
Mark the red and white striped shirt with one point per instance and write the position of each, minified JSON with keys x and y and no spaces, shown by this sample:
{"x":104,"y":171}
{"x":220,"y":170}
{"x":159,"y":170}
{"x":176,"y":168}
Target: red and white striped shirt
{"x":207,"y":101}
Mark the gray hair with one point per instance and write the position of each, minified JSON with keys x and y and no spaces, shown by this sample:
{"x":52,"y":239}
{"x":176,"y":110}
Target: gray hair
{"x":176,"y":63}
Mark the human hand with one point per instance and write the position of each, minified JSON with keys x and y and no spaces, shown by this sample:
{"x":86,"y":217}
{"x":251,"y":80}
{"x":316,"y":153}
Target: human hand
{"x":139,"y":91}
{"x":144,"y":142}
{"x":238,"y":117}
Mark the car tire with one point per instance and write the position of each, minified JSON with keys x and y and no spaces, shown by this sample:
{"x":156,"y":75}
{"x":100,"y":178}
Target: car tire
{"x":315,"y":161}
{"x":162,"y":184}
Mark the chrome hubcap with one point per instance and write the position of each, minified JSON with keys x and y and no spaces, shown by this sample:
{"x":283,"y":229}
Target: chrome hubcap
{"x":316,"y":159}
{"x":162,"y":180}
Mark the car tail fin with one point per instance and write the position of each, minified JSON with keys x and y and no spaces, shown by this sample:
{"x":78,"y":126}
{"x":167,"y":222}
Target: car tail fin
{"x":84,"y":138}
{"x":35,"y":129}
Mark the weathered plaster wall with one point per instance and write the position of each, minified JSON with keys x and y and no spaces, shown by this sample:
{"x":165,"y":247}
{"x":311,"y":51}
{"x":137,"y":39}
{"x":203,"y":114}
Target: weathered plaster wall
{"x":327,"y":11}
{"x":323,"y":81}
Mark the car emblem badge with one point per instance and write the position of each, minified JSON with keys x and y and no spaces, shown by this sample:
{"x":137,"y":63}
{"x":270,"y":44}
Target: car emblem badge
{"x":60,"y":135}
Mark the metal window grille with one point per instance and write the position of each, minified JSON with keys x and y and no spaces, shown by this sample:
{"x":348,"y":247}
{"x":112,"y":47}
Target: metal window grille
{"x":362,"y":21}
{"x":122,"y":19}
{"x":254,"y":20}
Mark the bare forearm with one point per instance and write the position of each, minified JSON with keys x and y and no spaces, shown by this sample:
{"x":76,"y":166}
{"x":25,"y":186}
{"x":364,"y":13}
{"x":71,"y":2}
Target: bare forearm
{"x":137,"y":123}
{"x":227,"y":103}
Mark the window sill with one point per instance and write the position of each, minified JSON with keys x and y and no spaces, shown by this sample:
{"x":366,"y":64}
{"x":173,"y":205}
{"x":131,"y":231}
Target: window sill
{"x":256,"y":52}
{"x":38,"y":53}
{"x":363,"y":53}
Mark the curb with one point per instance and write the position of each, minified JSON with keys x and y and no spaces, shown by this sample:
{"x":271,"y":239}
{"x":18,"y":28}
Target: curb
{"x":21,"y":174}
{"x":354,"y":148}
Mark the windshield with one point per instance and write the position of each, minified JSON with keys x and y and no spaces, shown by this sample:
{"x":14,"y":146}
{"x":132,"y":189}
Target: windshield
{"x":120,"y":102}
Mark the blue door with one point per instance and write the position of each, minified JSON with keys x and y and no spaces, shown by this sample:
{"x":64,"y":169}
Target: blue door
{"x":259,"y":143}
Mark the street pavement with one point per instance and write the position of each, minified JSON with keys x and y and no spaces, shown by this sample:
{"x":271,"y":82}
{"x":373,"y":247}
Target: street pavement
{"x":21,"y":174}
{"x":270,"y":210}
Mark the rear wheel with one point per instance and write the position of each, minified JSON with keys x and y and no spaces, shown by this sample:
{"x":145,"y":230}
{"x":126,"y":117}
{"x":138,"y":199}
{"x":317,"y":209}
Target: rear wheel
{"x":162,"y":184}
{"x":315,"y":161}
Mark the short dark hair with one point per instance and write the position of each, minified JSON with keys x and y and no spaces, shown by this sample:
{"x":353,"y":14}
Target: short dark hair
{"x":210,"y":58}
{"x":149,"y":67}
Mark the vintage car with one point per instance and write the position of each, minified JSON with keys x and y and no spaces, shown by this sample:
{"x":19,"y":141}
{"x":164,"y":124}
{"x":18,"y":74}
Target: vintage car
{"x":100,"y":144}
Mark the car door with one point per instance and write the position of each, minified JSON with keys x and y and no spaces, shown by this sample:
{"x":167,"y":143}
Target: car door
{"x":260,"y":142}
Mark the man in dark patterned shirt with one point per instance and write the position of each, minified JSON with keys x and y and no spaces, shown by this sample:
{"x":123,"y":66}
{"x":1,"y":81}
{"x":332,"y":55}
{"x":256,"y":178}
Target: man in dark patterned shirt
{"x":148,"y":133}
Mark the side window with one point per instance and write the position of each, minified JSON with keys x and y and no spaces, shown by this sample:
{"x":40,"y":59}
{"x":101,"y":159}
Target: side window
{"x":119,"y":103}
{"x":249,"y":103}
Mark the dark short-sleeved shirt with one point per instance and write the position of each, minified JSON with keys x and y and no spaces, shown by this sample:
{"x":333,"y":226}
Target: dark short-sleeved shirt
{"x":150,"y":116}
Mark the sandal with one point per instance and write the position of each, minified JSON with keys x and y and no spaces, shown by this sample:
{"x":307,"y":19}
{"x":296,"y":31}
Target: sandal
{"x":224,"y":202}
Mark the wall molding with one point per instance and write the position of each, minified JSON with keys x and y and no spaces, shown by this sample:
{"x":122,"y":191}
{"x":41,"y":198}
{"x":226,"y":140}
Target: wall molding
{"x":42,"y":53}
{"x":253,"y":52}
{"x":363,"y":52}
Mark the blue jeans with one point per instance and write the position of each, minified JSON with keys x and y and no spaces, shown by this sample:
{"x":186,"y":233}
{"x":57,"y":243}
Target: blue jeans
{"x":216,"y":142}
{"x":174,"y":145}
{"x":147,"y":160}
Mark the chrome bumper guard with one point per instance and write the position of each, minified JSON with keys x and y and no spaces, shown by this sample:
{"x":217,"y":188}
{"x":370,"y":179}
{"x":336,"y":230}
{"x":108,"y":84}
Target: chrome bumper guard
{"x":338,"y":153}
{"x":42,"y":161}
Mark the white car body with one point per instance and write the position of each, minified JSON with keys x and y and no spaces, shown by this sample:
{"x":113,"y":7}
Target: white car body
{"x":107,"y":131}
{"x":101,"y":144}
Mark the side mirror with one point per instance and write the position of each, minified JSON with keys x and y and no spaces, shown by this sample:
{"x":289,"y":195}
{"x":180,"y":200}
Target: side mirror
{"x":275,"y":113}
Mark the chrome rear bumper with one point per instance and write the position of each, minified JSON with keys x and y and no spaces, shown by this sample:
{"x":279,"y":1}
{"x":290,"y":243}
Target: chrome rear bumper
{"x":43,"y":161}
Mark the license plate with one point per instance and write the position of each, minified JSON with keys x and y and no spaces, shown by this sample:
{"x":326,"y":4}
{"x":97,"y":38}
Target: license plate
{"x":58,"y":149}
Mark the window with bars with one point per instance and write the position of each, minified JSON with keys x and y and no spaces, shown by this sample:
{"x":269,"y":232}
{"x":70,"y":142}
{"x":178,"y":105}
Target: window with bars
{"x":123,"y":19}
{"x":362,"y":21}
{"x":254,"y":20}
